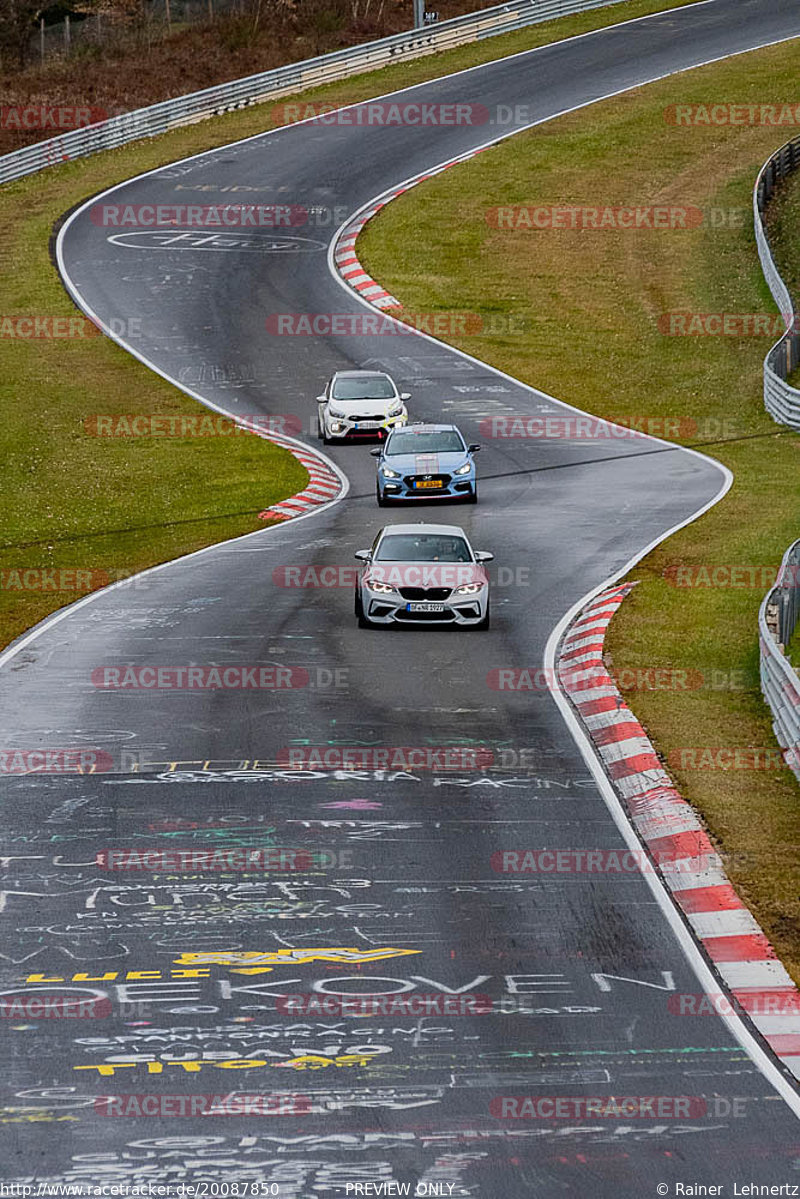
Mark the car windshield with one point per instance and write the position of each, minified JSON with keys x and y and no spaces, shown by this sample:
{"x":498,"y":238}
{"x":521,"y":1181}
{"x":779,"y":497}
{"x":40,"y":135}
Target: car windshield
{"x":445,"y":441}
{"x":423,"y":547}
{"x":365,"y":387}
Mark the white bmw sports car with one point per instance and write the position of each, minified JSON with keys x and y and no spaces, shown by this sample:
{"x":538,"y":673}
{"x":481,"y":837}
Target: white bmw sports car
{"x":359,"y":404}
{"x":422,"y":574}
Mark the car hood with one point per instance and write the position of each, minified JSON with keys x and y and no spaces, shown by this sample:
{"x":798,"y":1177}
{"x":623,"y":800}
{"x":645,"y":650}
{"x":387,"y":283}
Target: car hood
{"x":425,"y":574}
{"x":425,"y":464}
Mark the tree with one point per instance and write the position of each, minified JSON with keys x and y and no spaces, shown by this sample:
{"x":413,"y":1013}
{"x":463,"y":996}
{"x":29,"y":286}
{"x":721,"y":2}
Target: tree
{"x":17,"y":24}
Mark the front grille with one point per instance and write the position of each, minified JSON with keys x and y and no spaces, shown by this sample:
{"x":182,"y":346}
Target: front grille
{"x":401,"y":615}
{"x":424,"y":593}
{"x":410,"y":480}
{"x":376,"y":416}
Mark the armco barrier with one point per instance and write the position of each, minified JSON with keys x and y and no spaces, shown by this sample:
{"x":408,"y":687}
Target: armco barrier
{"x":781,"y":401}
{"x":780,"y":684}
{"x":285,"y":81}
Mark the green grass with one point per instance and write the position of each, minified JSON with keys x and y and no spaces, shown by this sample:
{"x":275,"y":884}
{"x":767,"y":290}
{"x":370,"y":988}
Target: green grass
{"x":75,"y":501}
{"x":590,"y":302}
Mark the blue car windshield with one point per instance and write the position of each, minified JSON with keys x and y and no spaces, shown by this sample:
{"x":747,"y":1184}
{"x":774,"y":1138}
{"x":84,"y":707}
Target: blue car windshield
{"x":371,"y":387}
{"x":446,"y":441}
{"x":422,"y":547}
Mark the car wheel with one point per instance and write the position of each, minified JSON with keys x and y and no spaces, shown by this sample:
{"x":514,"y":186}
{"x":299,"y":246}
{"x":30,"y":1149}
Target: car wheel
{"x":382,"y":501}
{"x":472,"y":498}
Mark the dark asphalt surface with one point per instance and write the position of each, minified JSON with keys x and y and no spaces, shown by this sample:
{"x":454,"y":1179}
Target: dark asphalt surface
{"x":406,"y":875}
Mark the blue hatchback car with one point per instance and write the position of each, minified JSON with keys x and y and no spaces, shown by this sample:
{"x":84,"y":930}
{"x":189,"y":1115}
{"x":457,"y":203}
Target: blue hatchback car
{"x":431,"y":462}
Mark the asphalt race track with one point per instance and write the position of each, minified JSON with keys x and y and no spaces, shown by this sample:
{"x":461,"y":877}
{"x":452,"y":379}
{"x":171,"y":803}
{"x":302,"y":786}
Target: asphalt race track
{"x":388,"y":881}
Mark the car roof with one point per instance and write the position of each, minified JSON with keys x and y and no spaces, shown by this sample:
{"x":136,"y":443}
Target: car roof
{"x":421,"y":527}
{"x":358,"y":374}
{"x":423,"y":427}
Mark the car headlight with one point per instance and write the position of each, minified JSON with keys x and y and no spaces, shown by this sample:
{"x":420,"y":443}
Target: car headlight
{"x":389,"y":473}
{"x":395,"y":409}
{"x":468,"y":589}
{"x":463,"y":470}
{"x":380,"y":588}
{"x":334,"y":412}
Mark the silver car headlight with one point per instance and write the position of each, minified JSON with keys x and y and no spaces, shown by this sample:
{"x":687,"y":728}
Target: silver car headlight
{"x":463,"y":470}
{"x":380,"y":588}
{"x":468,"y":589}
{"x":389,"y":473}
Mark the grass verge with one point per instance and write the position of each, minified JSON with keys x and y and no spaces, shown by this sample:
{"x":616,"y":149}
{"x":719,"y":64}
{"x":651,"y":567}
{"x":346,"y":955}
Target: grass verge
{"x":72,"y":501}
{"x":592,"y":304}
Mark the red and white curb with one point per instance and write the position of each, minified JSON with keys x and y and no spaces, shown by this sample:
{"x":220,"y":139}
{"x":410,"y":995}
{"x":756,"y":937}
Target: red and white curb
{"x":738,"y":949}
{"x":344,"y":250}
{"x":322,"y":487}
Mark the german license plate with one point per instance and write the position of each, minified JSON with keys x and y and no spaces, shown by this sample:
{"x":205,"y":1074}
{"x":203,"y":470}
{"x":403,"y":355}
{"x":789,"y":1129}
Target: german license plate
{"x":424,"y":607}
{"x":427,"y":483}
{"x":367,"y":424}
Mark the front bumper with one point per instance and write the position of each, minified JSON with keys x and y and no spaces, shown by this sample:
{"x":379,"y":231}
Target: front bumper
{"x":454,"y":487}
{"x":394,"y":609}
{"x":362,"y":430}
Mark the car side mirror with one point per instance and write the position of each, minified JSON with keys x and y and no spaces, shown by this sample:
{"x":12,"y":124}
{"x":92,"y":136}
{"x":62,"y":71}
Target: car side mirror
{"x":321,"y":399}
{"x":376,"y":453}
{"x":362,"y":555}
{"x":483,"y":556}
{"x":405,"y":395}
{"x":473,"y":449}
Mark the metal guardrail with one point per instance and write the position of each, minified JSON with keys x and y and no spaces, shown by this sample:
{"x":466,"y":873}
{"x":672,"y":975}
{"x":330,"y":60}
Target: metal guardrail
{"x":285,"y":81}
{"x":781,"y":401}
{"x":780,"y":683}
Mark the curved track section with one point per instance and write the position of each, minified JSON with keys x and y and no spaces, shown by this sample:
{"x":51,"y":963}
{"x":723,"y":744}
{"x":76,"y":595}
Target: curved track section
{"x":390,"y":882}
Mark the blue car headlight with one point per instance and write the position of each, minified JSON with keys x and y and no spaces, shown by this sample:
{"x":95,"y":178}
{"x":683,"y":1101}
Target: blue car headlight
{"x":389,"y":473}
{"x":463,"y":470}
